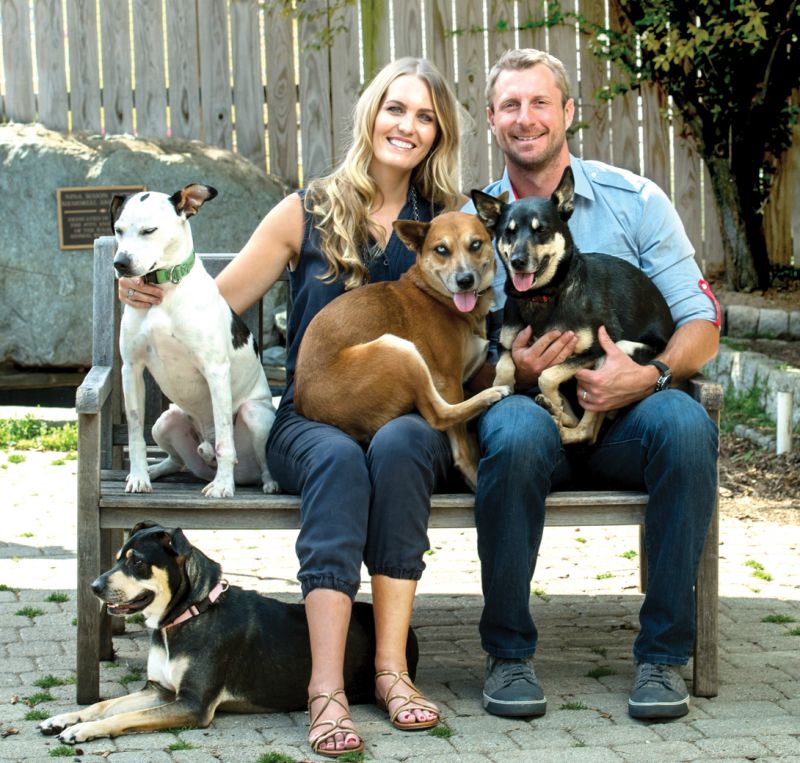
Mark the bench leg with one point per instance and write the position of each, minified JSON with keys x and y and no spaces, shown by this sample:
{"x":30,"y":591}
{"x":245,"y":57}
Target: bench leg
{"x":706,"y":642}
{"x":89,"y":561}
{"x":642,"y":561}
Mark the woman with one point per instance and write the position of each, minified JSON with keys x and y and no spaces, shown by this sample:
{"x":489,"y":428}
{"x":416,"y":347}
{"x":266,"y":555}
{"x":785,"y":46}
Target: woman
{"x":356,"y":506}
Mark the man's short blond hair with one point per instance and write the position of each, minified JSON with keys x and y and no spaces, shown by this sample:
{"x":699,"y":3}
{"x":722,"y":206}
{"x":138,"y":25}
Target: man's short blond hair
{"x":519,"y":59}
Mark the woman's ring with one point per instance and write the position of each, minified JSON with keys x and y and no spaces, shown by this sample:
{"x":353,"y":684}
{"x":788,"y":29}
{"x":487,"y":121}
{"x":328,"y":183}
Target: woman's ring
{"x":131,"y":292}
{"x":584,"y":394}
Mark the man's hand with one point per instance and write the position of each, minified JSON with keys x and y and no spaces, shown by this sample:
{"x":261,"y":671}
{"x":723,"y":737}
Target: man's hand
{"x":530,"y":360}
{"x":620,"y":381}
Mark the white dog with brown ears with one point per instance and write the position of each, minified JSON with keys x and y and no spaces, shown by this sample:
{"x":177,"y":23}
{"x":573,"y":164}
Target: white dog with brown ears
{"x":197,"y":349}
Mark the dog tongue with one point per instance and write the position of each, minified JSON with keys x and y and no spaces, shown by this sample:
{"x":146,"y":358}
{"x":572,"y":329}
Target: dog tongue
{"x":522,"y":281}
{"x":465,"y":300}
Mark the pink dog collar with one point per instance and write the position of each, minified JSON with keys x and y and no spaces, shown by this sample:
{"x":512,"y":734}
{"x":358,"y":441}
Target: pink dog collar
{"x":198,"y":609}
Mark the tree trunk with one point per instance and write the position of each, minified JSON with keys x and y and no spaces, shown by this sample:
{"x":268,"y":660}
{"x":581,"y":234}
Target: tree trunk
{"x":740,"y":268}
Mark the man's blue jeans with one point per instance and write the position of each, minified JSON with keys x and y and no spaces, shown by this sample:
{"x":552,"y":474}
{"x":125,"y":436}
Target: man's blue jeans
{"x":666,"y":444}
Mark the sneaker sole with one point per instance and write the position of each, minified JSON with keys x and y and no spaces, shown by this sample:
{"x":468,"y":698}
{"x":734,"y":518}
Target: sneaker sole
{"x":654,"y":710}
{"x":514,"y":708}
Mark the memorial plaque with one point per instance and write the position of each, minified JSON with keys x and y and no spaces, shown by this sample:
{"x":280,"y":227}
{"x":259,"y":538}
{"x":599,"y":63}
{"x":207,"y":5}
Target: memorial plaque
{"x":83,"y":213}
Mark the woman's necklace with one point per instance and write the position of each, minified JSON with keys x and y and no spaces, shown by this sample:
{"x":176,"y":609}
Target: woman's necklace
{"x":376,"y":250}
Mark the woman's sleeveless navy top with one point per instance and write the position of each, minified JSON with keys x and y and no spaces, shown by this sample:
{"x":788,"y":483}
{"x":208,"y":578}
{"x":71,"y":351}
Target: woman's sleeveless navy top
{"x":309,"y":294}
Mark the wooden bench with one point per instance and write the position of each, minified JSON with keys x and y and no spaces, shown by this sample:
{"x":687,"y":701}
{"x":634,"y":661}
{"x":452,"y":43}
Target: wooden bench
{"x":105,"y":510}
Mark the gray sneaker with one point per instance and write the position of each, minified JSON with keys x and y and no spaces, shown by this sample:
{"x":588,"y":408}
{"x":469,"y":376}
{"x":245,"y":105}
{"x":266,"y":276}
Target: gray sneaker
{"x":658,"y":692}
{"x":512,"y":689}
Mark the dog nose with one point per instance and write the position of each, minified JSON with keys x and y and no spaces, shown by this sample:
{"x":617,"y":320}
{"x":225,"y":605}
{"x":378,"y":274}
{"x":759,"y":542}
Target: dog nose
{"x":98,"y":586}
{"x":465,"y":280}
{"x":518,"y":263}
{"x":122,"y":264}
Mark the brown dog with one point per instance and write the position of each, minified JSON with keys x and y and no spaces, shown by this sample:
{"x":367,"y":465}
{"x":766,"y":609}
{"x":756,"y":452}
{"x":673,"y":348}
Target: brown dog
{"x":383,"y":350}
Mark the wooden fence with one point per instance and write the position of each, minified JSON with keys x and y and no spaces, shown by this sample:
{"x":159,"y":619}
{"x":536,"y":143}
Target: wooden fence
{"x":241,"y":75}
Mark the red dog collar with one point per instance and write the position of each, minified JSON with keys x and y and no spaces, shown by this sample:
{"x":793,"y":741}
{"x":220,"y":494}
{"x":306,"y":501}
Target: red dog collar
{"x":198,"y":609}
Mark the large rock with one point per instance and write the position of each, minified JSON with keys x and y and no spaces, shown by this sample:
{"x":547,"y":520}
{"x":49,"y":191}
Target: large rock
{"x":46,"y":292}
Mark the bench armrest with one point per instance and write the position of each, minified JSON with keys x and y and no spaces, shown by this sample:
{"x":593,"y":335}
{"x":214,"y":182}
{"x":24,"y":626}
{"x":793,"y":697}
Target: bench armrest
{"x":709,"y":394}
{"x":94,"y":390}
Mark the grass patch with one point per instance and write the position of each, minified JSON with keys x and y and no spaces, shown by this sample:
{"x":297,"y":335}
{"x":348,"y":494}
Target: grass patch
{"x":30,"y":433}
{"x":38,"y":698}
{"x":133,"y":674}
{"x":777,"y":619}
{"x":62,"y":751}
{"x":4,"y":587}
{"x":275,"y":757}
{"x":137,"y":618}
{"x":630,"y":554}
{"x":540,"y":593}
{"x":601,"y":650}
{"x":793,"y":632}
{"x":29,"y":612}
{"x":351,"y":757}
{"x":16,"y":458}
{"x":746,"y":408}
{"x":604,"y":575}
{"x":580,"y":540}
{"x":36,"y":715}
{"x":175,"y":746}
{"x":48,"y":682}
{"x":58,"y":597}
{"x":442,"y":731}
{"x":600,"y":671}
{"x":573,"y":706}
{"x":26,"y":535}
{"x":758,"y":570}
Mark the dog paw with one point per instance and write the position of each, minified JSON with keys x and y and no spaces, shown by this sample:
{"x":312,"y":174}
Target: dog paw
{"x":80,"y":732}
{"x":55,"y":724}
{"x":271,"y":487}
{"x":137,"y":484}
{"x":493,"y":394}
{"x":219,"y":489}
{"x":547,"y":404}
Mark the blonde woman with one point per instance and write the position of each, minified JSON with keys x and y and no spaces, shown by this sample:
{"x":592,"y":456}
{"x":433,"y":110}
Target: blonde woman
{"x":358,"y":505}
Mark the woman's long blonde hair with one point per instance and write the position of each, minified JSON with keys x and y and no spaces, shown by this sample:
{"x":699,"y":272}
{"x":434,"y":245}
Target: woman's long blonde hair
{"x":341,"y":201}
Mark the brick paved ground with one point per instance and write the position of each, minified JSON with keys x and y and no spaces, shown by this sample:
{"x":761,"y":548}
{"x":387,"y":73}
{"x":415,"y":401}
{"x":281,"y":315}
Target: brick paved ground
{"x":586,"y":603}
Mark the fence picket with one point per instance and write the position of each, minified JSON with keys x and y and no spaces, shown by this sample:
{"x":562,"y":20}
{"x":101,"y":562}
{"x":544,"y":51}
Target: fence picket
{"x":344,"y":72}
{"x":215,"y":94}
{"x":185,"y":117}
{"x":84,"y":75}
{"x":281,"y":97}
{"x":407,"y":29}
{"x":248,"y":92}
{"x":17,"y":60}
{"x":51,"y":64}
{"x":315,"y":113}
{"x":148,"y":55}
{"x":116,"y":56}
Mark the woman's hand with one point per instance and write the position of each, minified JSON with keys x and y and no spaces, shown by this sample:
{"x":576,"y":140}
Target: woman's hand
{"x":136,"y":293}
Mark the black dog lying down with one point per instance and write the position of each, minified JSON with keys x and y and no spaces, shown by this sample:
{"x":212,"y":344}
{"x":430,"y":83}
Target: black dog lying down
{"x":214,"y":646}
{"x":551,"y":285}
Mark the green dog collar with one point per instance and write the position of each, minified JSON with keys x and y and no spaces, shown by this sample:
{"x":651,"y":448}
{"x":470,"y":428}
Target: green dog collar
{"x":171,"y":275}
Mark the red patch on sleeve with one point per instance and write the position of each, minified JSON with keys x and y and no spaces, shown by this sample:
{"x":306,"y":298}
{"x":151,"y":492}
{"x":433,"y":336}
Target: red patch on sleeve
{"x":706,"y":289}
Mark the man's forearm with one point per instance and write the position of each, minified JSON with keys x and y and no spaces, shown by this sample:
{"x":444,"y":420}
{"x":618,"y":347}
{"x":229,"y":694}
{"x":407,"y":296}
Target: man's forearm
{"x":690,"y":348}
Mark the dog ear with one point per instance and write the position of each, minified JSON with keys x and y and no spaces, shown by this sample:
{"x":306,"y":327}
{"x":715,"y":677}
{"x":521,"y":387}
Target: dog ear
{"x":564,"y":196}
{"x":488,"y":207}
{"x":180,"y":543}
{"x":412,"y":233}
{"x":143,"y":526}
{"x":190,"y":198}
{"x":115,"y":209}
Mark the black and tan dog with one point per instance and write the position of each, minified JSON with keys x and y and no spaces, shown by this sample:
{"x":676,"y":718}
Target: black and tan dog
{"x":383,"y":350}
{"x":551,"y":285}
{"x":214,"y":646}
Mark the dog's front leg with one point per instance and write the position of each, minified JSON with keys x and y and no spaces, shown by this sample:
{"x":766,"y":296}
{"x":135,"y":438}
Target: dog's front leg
{"x":218,"y":377}
{"x":150,"y":696}
{"x":505,"y":371}
{"x":138,"y":480}
{"x":176,"y":714}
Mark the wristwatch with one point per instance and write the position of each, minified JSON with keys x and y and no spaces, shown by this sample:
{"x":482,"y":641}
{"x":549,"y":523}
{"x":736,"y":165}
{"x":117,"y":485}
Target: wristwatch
{"x":666,"y":375}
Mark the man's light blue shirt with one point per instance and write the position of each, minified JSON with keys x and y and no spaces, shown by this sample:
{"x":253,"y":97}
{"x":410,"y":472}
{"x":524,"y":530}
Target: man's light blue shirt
{"x":628,"y":216}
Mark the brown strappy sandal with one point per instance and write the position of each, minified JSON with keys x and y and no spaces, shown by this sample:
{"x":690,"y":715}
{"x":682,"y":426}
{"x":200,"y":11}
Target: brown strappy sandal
{"x":412,"y":701}
{"x":336,"y":726}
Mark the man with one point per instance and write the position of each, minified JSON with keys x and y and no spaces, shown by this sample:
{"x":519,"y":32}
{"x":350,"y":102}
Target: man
{"x":662,"y":442}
